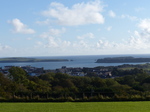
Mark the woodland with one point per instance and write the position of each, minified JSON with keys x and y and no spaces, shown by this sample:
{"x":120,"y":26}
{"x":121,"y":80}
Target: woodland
{"x":128,"y":85}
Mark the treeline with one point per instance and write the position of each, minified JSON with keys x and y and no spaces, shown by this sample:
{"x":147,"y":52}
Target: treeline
{"x":18,"y":86}
{"x":123,"y":60}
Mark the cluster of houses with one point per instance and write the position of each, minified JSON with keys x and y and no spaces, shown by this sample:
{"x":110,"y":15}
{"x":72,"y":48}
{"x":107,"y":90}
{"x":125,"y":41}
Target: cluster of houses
{"x":34,"y":71}
{"x":29,"y":69}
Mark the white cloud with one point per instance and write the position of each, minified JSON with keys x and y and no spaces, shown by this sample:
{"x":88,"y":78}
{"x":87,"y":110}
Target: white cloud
{"x":140,"y":40}
{"x":88,"y":35}
{"x":133,"y":18}
{"x":109,"y":28}
{"x":83,"y":44}
{"x":44,"y":35}
{"x":53,"y":33}
{"x":46,"y":22}
{"x":57,"y":32}
{"x":66,"y":43}
{"x":112,"y":14}
{"x":6,"y":50}
{"x":4,"y":47}
{"x":57,"y":43}
{"x":51,"y":42}
{"x":78,"y":14}
{"x":136,"y":33}
{"x":101,"y":44}
{"x":137,"y":43}
{"x":81,"y":47}
{"x":19,"y":27}
{"x":145,"y":25}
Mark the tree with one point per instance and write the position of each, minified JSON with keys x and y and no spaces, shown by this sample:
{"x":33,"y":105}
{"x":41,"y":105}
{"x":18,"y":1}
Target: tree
{"x":110,"y":82}
{"x":38,"y":85}
{"x":18,"y":75}
{"x":47,"y":77}
{"x":98,"y":82}
{"x":6,"y":86}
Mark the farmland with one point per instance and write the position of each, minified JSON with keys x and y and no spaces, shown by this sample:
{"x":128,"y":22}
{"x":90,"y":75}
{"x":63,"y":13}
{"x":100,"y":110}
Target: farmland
{"x":76,"y":107}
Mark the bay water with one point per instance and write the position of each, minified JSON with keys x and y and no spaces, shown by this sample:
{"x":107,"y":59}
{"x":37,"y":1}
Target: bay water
{"x":74,"y":61}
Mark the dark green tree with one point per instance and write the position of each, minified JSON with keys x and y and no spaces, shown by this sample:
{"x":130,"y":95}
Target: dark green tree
{"x":18,"y":75}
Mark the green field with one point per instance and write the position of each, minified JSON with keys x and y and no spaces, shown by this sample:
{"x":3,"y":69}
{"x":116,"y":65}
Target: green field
{"x":76,"y":107}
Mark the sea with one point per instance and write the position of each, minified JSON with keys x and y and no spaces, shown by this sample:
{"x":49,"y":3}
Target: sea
{"x":74,"y":61}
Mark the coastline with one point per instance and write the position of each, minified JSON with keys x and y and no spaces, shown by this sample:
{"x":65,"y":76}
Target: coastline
{"x":123,"y":60}
{"x":78,"y":61}
{"x":27,"y":60}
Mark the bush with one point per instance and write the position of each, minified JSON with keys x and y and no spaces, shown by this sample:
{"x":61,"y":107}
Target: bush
{"x":70,"y":99}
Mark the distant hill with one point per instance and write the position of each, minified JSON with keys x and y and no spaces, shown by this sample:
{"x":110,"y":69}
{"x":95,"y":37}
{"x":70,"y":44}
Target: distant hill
{"x":21,"y":59}
{"x":123,"y":60}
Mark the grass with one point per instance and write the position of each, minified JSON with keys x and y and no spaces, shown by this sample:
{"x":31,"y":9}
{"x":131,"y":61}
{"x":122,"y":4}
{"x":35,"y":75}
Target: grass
{"x":76,"y":107}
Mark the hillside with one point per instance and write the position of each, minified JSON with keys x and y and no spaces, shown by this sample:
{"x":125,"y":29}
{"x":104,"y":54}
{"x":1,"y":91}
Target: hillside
{"x":123,"y":60}
{"x":21,"y":59}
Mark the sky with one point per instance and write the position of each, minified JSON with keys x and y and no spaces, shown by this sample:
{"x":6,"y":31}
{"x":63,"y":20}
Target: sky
{"x":74,"y":27}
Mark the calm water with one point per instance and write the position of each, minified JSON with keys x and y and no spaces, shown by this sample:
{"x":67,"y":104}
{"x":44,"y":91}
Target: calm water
{"x":78,"y":61}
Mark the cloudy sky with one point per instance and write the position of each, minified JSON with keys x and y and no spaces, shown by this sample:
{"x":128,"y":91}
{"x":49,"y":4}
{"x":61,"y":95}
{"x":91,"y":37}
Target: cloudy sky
{"x":74,"y":27}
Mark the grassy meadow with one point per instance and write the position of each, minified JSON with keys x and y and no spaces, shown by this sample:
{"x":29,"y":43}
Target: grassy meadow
{"x":76,"y":107}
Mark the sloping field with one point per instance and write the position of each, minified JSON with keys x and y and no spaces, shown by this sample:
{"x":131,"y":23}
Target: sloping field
{"x":76,"y":107}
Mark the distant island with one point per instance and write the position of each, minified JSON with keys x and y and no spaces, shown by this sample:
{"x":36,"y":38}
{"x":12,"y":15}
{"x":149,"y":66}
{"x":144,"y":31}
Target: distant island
{"x":123,"y":60}
{"x":21,"y":59}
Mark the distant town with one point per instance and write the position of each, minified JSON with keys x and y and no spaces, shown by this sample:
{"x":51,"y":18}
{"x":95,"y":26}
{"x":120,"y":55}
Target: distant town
{"x":100,"y":71}
{"x":34,"y":71}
